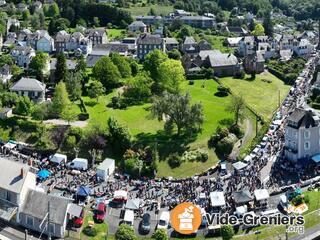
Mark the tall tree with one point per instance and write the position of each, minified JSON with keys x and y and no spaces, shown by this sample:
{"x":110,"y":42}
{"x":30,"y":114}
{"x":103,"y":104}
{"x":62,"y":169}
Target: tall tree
{"x":96,"y":90}
{"x":258,"y":30}
{"x":39,"y":64}
{"x":268,"y":25}
{"x":74,"y":86}
{"x":53,"y":10}
{"x":178,"y":111}
{"x":61,"y":68}
{"x":122,"y":65}
{"x":171,"y":74}
{"x":60,"y":99}
{"x":106,"y":72}
{"x":237,"y":107}
{"x":69,"y":114}
{"x":152,"y":62}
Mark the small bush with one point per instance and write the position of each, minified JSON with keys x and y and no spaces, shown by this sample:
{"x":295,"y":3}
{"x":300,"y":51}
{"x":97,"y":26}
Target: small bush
{"x":236,"y":130}
{"x":240,"y":75}
{"x":83,"y":116}
{"x":191,"y":82}
{"x":195,"y":155}
{"x":90,"y":231}
{"x":174,"y":160}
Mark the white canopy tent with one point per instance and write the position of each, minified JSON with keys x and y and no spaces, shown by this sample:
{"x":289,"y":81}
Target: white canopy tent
{"x":10,"y":145}
{"x":261,"y":194}
{"x":239,"y":165}
{"x":247,"y":159}
{"x":217,"y":199}
{"x":58,"y":158}
{"x":241,"y":210}
{"x":120,"y":194}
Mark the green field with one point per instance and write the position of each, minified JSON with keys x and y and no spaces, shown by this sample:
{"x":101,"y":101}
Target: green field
{"x":114,"y":33}
{"x":217,"y":43}
{"x":150,"y":131}
{"x":260,"y":95}
{"x":160,"y":9}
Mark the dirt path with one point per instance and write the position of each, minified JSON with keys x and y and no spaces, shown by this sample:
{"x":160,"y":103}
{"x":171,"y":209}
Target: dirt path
{"x":80,"y":124}
{"x":247,"y":135}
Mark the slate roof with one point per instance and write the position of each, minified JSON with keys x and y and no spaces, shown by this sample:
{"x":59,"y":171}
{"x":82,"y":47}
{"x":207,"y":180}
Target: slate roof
{"x":36,"y":205}
{"x":150,"y":39}
{"x":171,"y":41}
{"x":222,"y":60}
{"x":189,"y":40}
{"x":242,"y":196}
{"x":303,"y":118}
{"x":137,"y":24}
{"x":95,"y":32}
{"x":71,"y":65}
{"x":28,"y":84}
{"x":10,"y":176}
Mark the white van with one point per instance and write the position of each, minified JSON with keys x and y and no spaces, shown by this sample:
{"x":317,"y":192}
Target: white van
{"x":128,"y":217}
{"x":58,"y":158}
{"x":164,"y":220}
{"x":78,"y":164}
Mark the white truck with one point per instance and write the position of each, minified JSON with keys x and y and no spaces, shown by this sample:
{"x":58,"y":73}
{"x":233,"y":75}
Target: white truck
{"x":78,"y":164}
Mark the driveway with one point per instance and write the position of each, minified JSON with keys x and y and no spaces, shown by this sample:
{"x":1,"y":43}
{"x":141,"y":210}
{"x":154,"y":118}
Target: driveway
{"x":80,"y":124}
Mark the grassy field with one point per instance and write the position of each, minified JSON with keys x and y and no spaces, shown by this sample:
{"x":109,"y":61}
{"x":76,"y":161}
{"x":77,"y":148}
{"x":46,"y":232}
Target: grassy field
{"x":150,"y":131}
{"x":160,"y":9}
{"x":260,"y":95}
{"x":100,"y":227}
{"x":114,"y":33}
{"x":217,"y":43}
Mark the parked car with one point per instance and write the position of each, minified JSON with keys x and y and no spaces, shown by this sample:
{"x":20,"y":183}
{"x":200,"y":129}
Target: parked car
{"x":145,"y":224}
{"x":164,"y":220}
{"x":100,"y":212}
{"x":77,"y":222}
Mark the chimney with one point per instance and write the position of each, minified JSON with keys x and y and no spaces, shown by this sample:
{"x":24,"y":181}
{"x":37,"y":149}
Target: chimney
{"x":21,"y":172}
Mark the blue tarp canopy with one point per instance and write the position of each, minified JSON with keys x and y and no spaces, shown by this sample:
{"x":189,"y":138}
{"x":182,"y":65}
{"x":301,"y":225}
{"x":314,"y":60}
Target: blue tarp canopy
{"x":43,"y":174}
{"x":316,"y":159}
{"x":83,"y":191}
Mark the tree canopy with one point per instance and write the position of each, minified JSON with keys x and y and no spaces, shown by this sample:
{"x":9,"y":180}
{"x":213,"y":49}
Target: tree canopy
{"x":177,"y":111}
{"x":106,"y":72}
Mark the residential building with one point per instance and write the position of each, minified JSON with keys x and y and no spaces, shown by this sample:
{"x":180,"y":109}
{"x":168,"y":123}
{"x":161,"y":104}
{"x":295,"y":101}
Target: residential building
{"x":34,"y":213}
{"x":76,"y":41}
{"x":131,"y":42}
{"x":171,"y":43}
{"x":236,"y":30}
{"x":5,"y":73}
{"x":5,"y":113}
{"x":233,"y":42}
{"x":190,"y":46}
{"x":254,"y":63}
{"x":31,"y":88}
{"x":23,"y":55}
{"x":137,"y":26}
{"x":302,"y":135}
{"x":223,"y":64}
{"x":181,"y":13}
{"x":150,"y":20}
{"x":43,"y":41}
{"x":97,"y":36}
{"x":102,"y":50}
{"x":71,"y":66}
{"x":247,"y":46}
{"x":147,"y":43}
{"x":303,"y":47}
{"x":16,"y":180}
{"x":198,"y":21}
{"x":12,"y":22}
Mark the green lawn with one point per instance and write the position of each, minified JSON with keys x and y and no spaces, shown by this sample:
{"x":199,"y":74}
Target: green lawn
{"x":160,"y":9}
{"x":114,"y":33}
{"x":260,"y":95}
{"x":150,"y":131}
{"x":100,"y":227}
{"x":217,"y":43}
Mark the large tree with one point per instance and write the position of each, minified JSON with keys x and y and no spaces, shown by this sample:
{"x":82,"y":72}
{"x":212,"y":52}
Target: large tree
{"x":122,"y":64}
{"x":237,"y":107}
{"x":268,"y":25}
{"x":96,"y":90}
{"x":119,"y":136}
{"x":258,"y":30}
{"x":60,"y":99}
{"x":176,"y":110}
{"x":61,"y":68}
{"x":39,"y":64}
{"x":171,"y":74}
{"x":69,"y":114}
{"x":153,"y":61}
{"x":106,"y":72}
{"x":74,"y":86}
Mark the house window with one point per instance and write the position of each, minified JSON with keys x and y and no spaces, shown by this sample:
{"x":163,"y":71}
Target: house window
{"x":51,"y":228}
{"x":30,"y":221}
{"x":8,"y":196}
{"x":306,"y":145}
{"x":306,"y":134}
